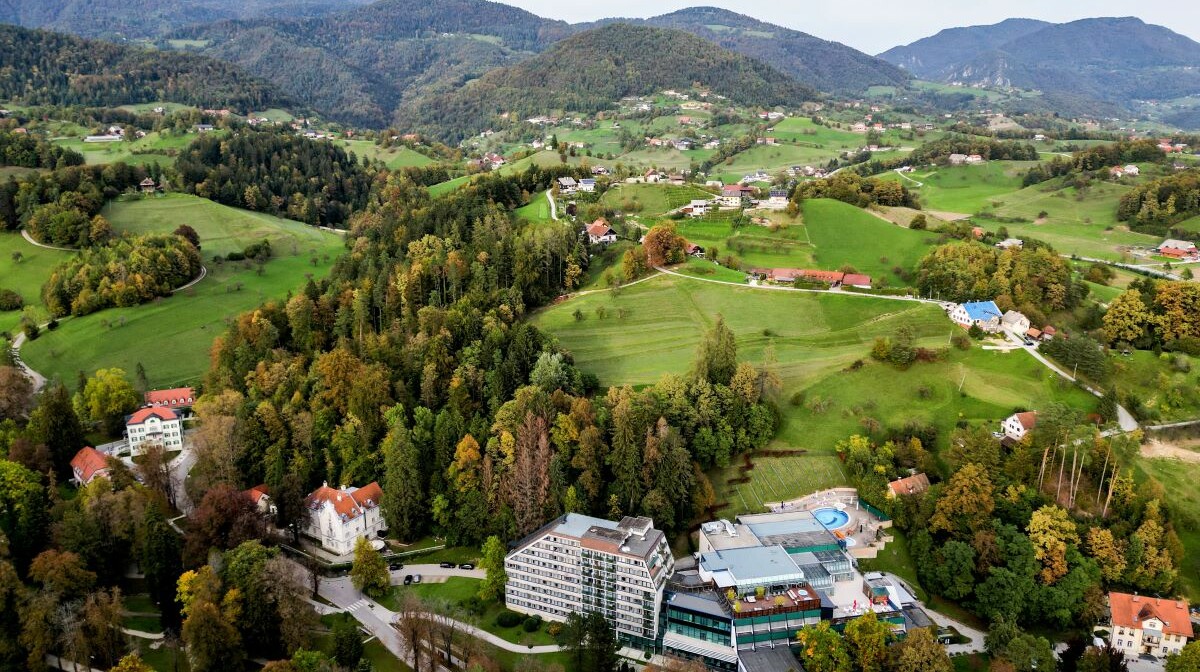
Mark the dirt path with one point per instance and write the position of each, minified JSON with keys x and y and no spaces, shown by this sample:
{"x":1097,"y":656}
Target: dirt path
{"x":1184,"y":451}
{"x":29,"y":238}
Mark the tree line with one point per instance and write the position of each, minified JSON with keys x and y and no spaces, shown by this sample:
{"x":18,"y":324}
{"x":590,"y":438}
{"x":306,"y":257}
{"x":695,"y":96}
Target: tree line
{"x":33,"y":151}
{"x":1156,"y":206}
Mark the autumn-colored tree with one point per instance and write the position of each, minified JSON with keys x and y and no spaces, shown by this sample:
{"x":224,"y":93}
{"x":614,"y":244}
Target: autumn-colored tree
{"x":213,"y":642}
{"x":222,"y":520}
{"x":527,"y":485}
{"x":663,"y":245}
{"x":16,"y":394}
{"x":867,"y":642}
{"x":1051,"y":531}
{"x":966,"y":504}
{"x":920,"y":652}
{"x":369,"y":572}
{"x":822,"y":649}
{"x":1127,"y":318}
{"x":106,"y":399}
{"x":1108,"y":552}
{"x":62,"y":573}
{"x":132,"y":663}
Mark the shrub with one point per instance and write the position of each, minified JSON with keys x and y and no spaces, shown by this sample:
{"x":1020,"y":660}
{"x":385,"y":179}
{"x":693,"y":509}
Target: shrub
{"x":554,"y":629}
{"x":31,"y":331}
{"x":509,"y":619}
{"x":52,"y":325}
{"x":532,"y":624}
{"x":10,"y":300}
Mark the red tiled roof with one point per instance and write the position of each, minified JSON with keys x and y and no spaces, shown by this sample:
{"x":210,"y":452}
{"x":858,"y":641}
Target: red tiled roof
{"x":1035,"y":333}
{"x":823,"y":276}
{"x":160,"y":412}
{"x":856,"y":279}
{"x":910,"y":484}
{"x":1028,"y":419}
{"x":257,"y":493}
{"x":87,"y":463}
{"x":1129,"y":611}
{"x":1049,"y":330}
{"x":348,"y":504}
{"x":599,"y":228}
{"x":179,"y":396}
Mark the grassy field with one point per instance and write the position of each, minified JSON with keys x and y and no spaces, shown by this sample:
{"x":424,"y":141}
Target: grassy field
{"x":536,"y":211}
{"x":652,"y":200}
{"x":154,"y":148}
{"x":653,"y":328}
{"x":392,"y":157}
{"x":842,"y":234}
{"x":753,"y":245}
{"x":964,"y":189}
{"x":25,"y":277}
{"x":1168,"y":392}
{"x":171,"y":337}
{"x":446,"y":187}
{"x":458,"y":589}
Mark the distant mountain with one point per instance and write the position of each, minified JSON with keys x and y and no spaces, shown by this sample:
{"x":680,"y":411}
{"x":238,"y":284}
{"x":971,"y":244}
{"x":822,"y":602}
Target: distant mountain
{"x":828,"y":66}
{"x":1092,"y":65}
{"x":933,"y":57}
{"x":136,"y":19}
{"x":358,"y":66}
{"x":42,"y":67}
{"x":590,"y":71}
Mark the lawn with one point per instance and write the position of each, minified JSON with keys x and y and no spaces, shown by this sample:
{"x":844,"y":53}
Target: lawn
{"x":392,"y":157}
{"x":154,"y":148}
{"x":27,"y":276}
{"x":964,"y":189}
{"x":1168,"y":393}
{"x":183,"y":326}
{"x":456,"y":590}
{"x":842,"y":235}
{"x":708,"y":270}
{"x":652,"y":200}
{"x":753,"y":245}
{"x":896,"y":558}
{"x":444,"y":188}
{"x":537,"y":211}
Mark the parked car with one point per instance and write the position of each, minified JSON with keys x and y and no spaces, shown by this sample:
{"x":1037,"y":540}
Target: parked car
{"x":447,"y":565}
{"x":466,"y":565}
{"x":395,"y":564}
{"x":416,"y":578}
{"x":408,"y":579}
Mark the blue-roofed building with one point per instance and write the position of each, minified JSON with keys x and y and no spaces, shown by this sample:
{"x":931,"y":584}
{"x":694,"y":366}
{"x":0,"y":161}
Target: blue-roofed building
{"x":985,"y":314}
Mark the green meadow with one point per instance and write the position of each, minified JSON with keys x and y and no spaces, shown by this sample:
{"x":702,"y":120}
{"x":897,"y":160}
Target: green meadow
{"x":964,"y":189}
{"x":171,"y":337}
{"x":154,"y":148}
{"x":392,"y":157}
{"x":651,"y":200}
{"x":26,"y":276}
{"x":842,"y":234}
{"x":754,"y":246}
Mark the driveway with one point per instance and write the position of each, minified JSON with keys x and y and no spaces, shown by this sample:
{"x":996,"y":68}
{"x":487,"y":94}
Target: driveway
{"x":429,"y":570}
{"x":976,"y":636}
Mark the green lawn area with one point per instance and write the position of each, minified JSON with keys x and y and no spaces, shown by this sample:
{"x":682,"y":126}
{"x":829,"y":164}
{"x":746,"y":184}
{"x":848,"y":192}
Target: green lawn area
{"x":1171,"y":394}
{"x":27,"y":276}
{"x":446,"y":187}
{"x":181,"y":328}
{"x":154,"y":148}
{"x":895,"y":558}
{"x":458,"y":589}
{"x":964,"y":189}
{"x":702,"y":268}
{"x":651,"y":200}
{"x":802,"y":129}
{"x":775,"y":158}
{"x":142,"y":623}
{"x":393,"y":157}
{"x":842,"y":234}
{"x":537,"y":211}
{"x":753,"y":245}
{"x":145,"y":108}
{"x":653,"y":328}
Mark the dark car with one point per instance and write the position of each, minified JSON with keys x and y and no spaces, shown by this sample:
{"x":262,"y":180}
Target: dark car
{"x":395,"y":564}
{"x":408,"y":579}
{"x":466,"y":565}
{"x":447,"y":565}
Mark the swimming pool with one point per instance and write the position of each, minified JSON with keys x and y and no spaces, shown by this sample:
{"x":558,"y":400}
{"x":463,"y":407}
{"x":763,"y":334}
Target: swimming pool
{"x":832,"y":519}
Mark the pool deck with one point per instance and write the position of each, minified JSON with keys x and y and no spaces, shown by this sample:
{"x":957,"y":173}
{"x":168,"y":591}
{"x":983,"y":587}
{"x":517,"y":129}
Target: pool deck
{"x":865,"y":535}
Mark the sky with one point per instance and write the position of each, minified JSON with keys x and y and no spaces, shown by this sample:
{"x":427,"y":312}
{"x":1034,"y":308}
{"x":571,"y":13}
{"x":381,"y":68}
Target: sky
{"x":873,"y":26}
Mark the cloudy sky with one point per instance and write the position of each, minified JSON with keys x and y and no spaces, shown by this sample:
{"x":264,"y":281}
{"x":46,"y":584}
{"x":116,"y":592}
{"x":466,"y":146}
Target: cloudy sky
{"x":875,"y":26}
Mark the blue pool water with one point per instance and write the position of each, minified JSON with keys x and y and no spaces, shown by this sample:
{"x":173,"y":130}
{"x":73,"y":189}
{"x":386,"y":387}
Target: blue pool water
{"x":832,"y":519}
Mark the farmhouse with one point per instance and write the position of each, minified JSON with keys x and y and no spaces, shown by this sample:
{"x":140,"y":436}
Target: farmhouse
{"x":909,"y":485}
{"x":735,"y":196}
{"x":1011,"y":244}
{"x":1015,"y":323}
{"x":148,"y":186}
{"x":87,"y":465}
{"x":587,"y":184}
{"x":958,"y":159}
{"x":153,"y":425}
{"x":567,"y":185}
{"x":1177,"y":249}
{"x":1017,"y":425}
{"x":261,"y":498}
{"x":985,"y":314}
{"x":175,"y":398}
{"x":338,"y":518}
{"x":1142,"y":624}
{"x":697,"y":208}
{"x":600,"y":233}
{"x":495,"y":160}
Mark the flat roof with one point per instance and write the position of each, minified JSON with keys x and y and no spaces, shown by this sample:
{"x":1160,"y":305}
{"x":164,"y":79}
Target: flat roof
{"x":754,"y":565}
{"x":769,"y":659}
{"x":793,"y":529}
{"x":702,"y":603}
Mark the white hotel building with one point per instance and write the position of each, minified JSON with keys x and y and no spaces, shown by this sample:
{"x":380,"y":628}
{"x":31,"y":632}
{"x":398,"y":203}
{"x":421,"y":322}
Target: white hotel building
{"x":582,"y":564}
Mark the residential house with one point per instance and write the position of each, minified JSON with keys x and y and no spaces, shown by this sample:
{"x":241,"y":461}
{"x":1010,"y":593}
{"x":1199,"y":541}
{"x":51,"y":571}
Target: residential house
{"x":856,"y":280}
{"x":974,"y":159}
{"x":1034,"y":333}
{"x":683,"y":144}
{"x":587,"y":184}
{"x":1017,"y":425}
{"x":1048,"y":333}
{"x":260,"y":496}
{"x":1011,"y":244}
{"x":577,"y":564}
{"x":174,"y":398}
{"x":676,"y":179}
{"x":600,"y":233}
{"x":697,"y":208}
{"x":778,"y":197}
{"x":153,"y":425}
{"x":1142,"y":624}
{"x":1116,"y":172}
{"x":87,"y":465}
{"x":735,"y":196}
{"x":203,"y":128}
{"x":958,"y":159}
{"x":909,"y":485}
{"x":652,"y":176}
{"x":1014,"y":323}
{"x":985,"y":314}
{"x":567,"y":185}
{"x":148,"y":186}
{"x":693,"y":250}
{"x":599,"y":170}
{"x":1132,"y":170}
{"x":339,"y":517}
{"x":494,"y":160}
{"x":1177,"y":249}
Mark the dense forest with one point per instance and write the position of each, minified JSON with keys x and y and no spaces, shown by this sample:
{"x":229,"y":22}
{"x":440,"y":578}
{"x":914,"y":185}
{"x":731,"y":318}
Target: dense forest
{"x":1157,"y":205}
{"x":126,"y":272}
{"x":592,"y":70}
{"x":318,"y":183}
{"x":850,"y":187}
{"x":60,"y":207}
{"x":43,"y":68}
{"x":1155,"y":313}
{"x":33,"y":151}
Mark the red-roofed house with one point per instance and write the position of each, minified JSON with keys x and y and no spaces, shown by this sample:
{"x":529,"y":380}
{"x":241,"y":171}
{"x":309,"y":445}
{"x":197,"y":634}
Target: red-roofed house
{"x":87,"y":465}
{"x":1017,"y":425}
{"x":1152,"y":625}
{"x":339,"y":517}
{"x":178,"y":397}
{"x":153,"y":425}
{"x":599,"y":232}
{"x":261,"y":498}
{"x":856,"y":280}
{"x":909,"y":485}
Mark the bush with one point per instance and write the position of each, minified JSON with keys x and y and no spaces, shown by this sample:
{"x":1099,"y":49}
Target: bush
{"x":509,"y":619}
{"x":554,"y":629}
{"x":52,"y":325}
{"x":10,"y":300}
{"x":532,"y":624}
{"x":235,"y":256}
{"x":31,"y":331}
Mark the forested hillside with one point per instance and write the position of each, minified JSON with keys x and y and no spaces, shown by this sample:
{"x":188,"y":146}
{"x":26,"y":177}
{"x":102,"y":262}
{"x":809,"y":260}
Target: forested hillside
{"x":932,"y":57}
{"x":592,"y":70}
{"x":148,"y":18}
{"x":821,"y":64}
{"x":49,"y":68}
